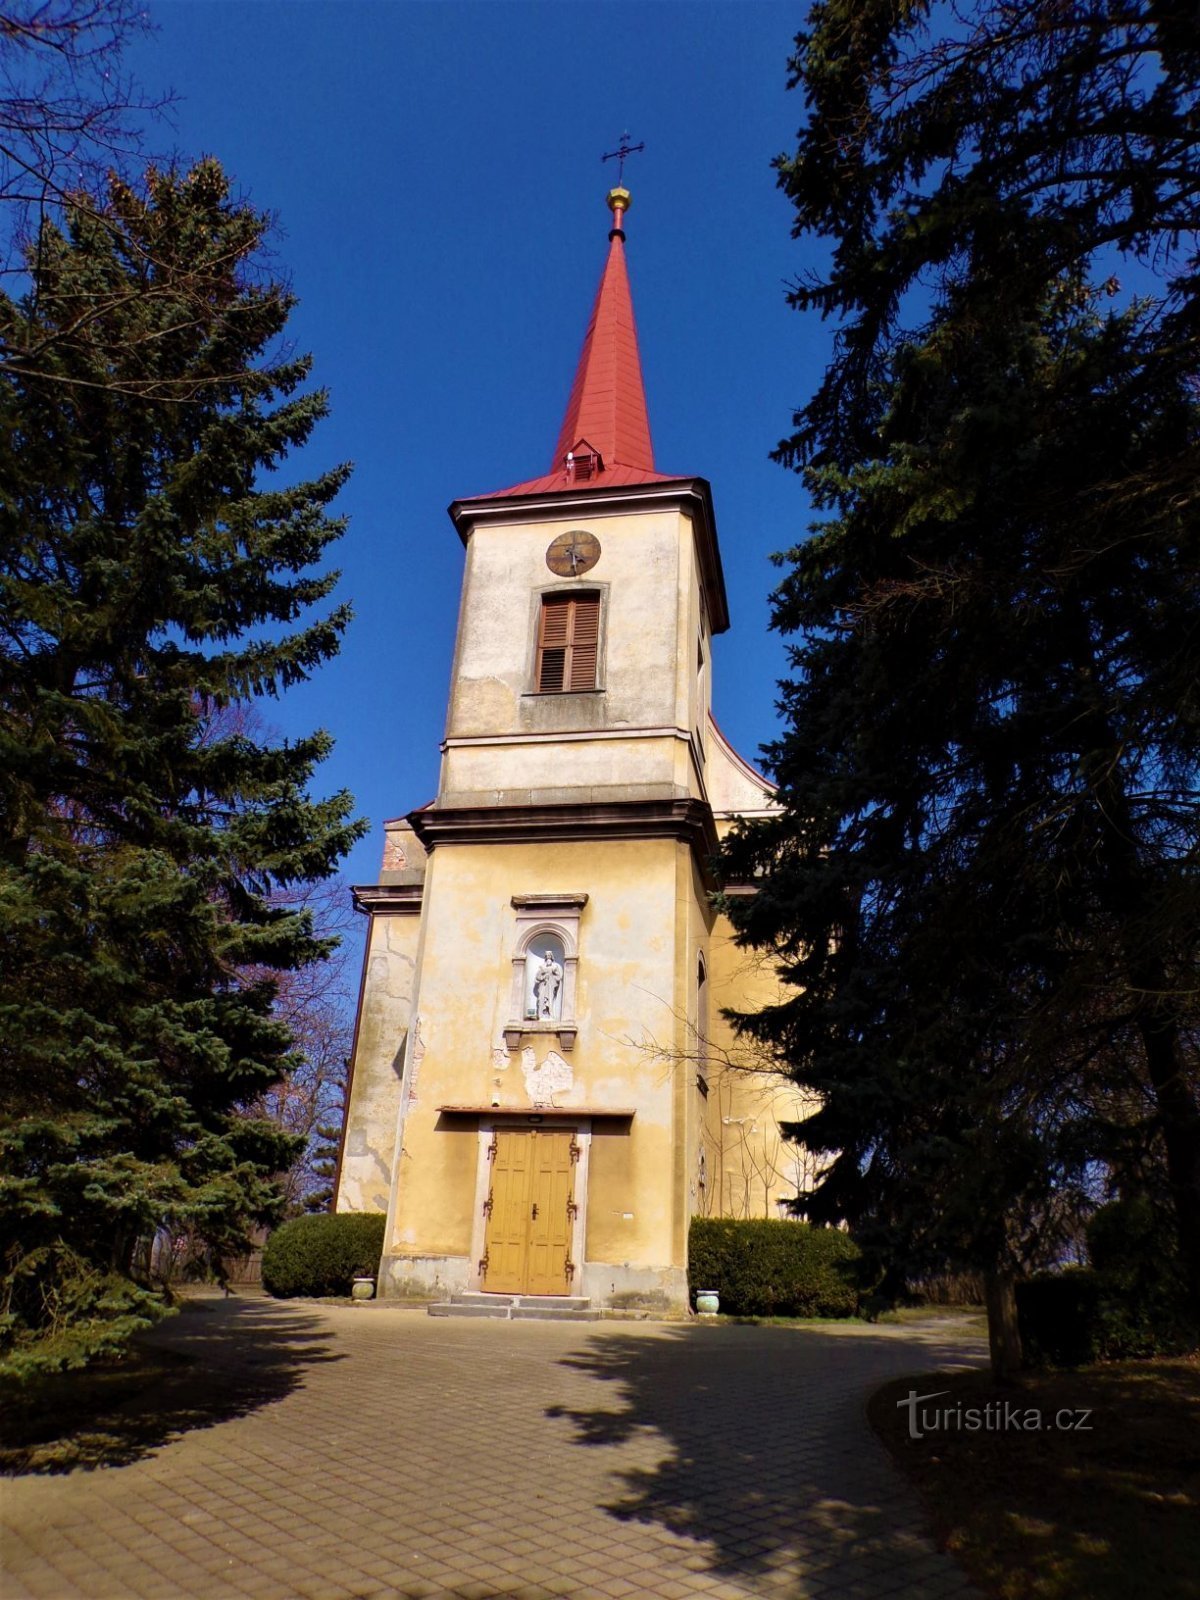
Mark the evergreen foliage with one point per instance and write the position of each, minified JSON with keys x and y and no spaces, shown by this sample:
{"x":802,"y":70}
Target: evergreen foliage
{"x":1059,"y":1315}
{"x":325,"y":1146}
{"x":318,"y":1255}
{"x":1144,"y":1291}
{"x":767,"y":1267}
{"x":1129,"y":1302}
{"x":982,"y":888}
{"x":152,"y":574}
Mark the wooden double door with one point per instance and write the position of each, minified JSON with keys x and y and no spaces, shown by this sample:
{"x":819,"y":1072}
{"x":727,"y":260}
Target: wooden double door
{"x":531,"y":1211}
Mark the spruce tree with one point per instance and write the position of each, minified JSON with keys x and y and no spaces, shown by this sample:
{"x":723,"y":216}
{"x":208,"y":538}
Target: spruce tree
{"x":155,"y":566}
{"x":983,"y":883}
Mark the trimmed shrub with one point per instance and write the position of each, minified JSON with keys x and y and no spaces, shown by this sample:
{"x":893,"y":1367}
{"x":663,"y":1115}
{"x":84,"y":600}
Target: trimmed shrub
{"x":774,"y":1268}
{"x":1131,"y":1302}
{"x":322,"y":1254}
{"x":1058,"y":1317}
{"x":1132,"y":1245}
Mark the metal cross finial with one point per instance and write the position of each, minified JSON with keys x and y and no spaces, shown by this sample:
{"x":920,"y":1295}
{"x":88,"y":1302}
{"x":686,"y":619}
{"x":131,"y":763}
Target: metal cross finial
{"x":623,"y":149}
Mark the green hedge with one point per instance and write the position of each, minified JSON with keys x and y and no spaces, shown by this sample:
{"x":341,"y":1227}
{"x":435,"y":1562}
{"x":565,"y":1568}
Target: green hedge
{"x":322,"y":1254}
{"x":1130,"y":1302}
{"x":1059,"y":1315}
{"x":770,"y":1268}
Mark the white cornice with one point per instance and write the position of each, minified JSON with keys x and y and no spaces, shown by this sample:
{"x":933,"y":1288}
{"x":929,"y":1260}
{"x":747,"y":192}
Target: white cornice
{"x":471,"y":740}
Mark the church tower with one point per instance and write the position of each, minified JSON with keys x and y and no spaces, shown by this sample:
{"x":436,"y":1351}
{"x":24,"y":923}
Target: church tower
{"x":540,"y":1095}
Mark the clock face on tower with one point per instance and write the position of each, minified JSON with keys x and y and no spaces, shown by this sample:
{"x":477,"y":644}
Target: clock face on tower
{"x":572,"y":554}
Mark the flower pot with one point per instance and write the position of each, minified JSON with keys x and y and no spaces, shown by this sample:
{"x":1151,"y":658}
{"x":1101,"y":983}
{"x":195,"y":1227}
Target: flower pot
{"x":708,"y":1302}
{"x":363,"y":1289}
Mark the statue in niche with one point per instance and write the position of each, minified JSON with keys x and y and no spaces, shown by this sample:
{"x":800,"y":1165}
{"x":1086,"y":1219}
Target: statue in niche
{"x":547,"y":988}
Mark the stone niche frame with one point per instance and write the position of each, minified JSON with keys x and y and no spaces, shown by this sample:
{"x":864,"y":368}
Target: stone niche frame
{"x":537,"y":915}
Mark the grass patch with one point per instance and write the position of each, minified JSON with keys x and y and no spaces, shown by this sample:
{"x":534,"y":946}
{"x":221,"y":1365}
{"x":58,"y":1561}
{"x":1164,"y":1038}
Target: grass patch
{"x":908,"y":1314}
{"x":1106,"y":1513}
{"x":966,"y":1322}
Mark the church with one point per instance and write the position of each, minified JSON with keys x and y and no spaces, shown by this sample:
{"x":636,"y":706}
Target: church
{"x":543,"y":1090}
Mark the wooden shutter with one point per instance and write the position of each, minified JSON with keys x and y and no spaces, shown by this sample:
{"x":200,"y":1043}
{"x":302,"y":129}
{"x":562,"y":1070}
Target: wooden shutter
{"x":553,"y":643}
{"x":585,"y":641}
{"x":568,"y":642}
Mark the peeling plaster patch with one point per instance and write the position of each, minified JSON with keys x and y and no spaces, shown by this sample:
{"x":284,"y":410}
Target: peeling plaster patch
{"x":554,"y":1076}
{"x":389,"y":987}
{"x":418,"y":1055}
{"x":401,"y":965}
{"x":500,"y":1060}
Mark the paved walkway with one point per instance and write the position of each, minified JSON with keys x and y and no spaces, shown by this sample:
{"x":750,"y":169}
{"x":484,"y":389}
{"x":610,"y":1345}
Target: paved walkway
{"x":343,"y":1451}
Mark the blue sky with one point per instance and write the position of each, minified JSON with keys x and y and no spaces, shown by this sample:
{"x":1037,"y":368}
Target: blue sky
{"x":435,"y":171}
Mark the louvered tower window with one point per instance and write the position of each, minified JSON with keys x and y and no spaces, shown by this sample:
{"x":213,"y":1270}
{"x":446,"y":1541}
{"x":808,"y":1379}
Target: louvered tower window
{"x":568,"y":642}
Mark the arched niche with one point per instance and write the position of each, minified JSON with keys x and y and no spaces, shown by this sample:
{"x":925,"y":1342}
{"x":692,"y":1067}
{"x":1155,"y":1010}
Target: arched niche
{"x":543,"y":990}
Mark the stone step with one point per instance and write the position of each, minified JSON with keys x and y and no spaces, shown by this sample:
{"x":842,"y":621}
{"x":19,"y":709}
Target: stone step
{"x":522,"y":1307}
{"x":480,"y":1297}
{"x":446,"y":1308}
{"x":553,"y":1314}
{"x":553,"y":1302}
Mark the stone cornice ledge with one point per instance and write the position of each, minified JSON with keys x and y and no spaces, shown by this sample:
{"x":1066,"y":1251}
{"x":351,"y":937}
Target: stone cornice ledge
{"x":566,"y":900}
{"x":388,"y":899}
{"x":616,"y":819}
{"x":539,"y":1113}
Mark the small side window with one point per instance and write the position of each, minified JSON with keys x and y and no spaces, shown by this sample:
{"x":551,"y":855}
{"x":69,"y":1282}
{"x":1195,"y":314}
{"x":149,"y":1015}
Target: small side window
{"x":568,"y":643}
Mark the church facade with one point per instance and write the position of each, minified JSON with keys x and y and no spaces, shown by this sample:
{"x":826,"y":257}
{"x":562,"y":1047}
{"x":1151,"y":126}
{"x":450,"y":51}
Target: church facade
{"x":543,"y":1090}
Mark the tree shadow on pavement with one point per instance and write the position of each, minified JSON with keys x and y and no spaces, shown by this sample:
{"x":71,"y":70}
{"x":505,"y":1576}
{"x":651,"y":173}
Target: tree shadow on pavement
{"x":215,"y":1361}
{"x":761,"y":1449}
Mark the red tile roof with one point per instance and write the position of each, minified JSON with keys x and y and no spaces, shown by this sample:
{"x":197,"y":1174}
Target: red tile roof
{"x":607,"y":406}
{"x":616,"y":477}
{"x":606,"y":411}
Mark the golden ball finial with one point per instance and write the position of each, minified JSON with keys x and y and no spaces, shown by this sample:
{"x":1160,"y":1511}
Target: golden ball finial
{"x":619,"y":200}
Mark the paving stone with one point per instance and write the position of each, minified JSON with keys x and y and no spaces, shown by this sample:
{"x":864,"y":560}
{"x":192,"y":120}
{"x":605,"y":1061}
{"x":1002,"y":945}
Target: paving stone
{"x":394,"y":1457}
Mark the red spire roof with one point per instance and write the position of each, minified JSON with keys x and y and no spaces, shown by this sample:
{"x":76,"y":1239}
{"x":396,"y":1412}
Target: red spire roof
{"x":607,"y":407}
{"x":605,"y":435}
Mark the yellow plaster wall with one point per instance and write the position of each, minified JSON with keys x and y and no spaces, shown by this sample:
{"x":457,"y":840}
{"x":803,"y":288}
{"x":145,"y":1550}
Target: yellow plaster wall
{"x":752,"y":1168}
{"x":436,"y":1192}
{"x":735,"y":788}
{"x":695,"y":679}
{"x":368,"y":1151}
{"x":626,"y":1001}
{"x":615,"y":1176}
{"x":695,"y":1067}
{"x":524,"y":772}
{"x":647,"y":579}
{"x":646,"y":733}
